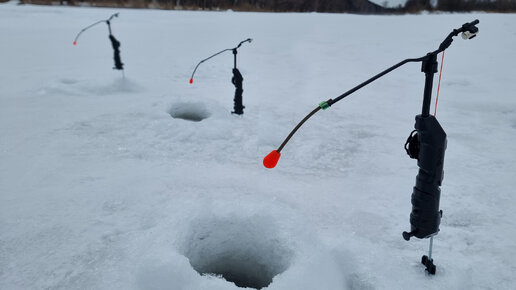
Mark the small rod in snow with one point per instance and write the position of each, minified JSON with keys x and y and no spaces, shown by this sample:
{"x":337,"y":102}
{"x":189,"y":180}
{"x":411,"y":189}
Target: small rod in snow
{"x":114,"y":42}
{"x":236,"y":80}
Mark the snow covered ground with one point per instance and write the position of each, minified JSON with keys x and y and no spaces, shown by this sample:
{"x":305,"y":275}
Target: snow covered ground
{"x":100,"y":188}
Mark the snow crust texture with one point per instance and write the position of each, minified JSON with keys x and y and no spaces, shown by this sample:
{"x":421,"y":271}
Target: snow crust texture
{"x":148,"y":182}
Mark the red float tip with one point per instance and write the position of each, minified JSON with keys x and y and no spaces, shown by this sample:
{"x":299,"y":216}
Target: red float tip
{"x":191,"y":80}
{"x":271,"y":159}
{"x":75,"y":43}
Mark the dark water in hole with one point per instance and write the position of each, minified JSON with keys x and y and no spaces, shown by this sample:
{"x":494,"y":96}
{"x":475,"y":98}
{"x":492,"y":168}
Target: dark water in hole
{"x":248,"y":251}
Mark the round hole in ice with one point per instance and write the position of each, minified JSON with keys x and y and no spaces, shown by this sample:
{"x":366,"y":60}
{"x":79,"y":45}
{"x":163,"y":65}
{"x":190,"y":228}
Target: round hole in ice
{"x":248,"y":252}
{"x":194,"y":112}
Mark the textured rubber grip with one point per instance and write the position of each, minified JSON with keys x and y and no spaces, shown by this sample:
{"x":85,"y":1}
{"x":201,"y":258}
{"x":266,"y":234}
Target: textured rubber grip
{"x":425,"y":217}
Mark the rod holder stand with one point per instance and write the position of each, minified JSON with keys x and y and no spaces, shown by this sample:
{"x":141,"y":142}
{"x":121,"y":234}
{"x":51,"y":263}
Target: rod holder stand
{"x":237,"y":81}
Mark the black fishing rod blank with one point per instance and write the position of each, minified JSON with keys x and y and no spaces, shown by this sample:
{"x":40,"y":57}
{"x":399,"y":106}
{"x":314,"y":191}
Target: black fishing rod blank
{"x":114,"y":42}
{"x":427,"y":144}
{"x":236,"y":80}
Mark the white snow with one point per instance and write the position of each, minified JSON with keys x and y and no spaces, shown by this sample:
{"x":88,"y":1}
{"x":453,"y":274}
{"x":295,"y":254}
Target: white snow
{"x":389,"y":3}
{"x":100,"y":188}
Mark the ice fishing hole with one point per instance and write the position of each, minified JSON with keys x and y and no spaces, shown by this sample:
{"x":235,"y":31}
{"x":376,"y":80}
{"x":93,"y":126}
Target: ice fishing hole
{"x":194,"y":112}
{"x":247,"y":252}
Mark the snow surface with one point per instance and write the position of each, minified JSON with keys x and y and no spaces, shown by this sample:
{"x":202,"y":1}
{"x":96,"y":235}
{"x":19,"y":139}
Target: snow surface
{"x":100,"y":188}
{"x":389,"y":3}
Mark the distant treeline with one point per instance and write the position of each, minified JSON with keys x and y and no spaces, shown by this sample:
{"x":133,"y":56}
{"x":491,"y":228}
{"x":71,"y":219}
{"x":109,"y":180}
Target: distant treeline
{"x":352,"y":6}
{"x":413,"y":6}
{"x":337,"y":6}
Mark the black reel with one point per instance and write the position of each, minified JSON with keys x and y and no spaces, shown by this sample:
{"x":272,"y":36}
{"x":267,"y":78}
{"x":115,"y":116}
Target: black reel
{"x":412,"y":145}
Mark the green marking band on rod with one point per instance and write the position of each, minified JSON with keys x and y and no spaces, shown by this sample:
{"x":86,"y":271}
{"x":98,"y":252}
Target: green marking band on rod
{"x":324,"y":105}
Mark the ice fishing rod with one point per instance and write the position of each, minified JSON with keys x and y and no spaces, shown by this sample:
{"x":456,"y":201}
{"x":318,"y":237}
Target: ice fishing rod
{"x":236,"y":80}
{"x":426,"y":143}
{"x":114,"y":42}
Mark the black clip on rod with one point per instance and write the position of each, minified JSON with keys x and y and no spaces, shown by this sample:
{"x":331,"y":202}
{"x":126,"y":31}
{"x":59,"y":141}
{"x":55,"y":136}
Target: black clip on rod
{"x":427,"y":145}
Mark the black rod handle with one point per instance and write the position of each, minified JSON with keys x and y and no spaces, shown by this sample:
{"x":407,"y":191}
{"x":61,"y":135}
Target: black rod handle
{"x":426,"y":216}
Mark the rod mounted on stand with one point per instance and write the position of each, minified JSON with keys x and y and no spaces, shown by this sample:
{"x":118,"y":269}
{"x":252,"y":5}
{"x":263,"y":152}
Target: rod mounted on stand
{"x":114,"y":42}
{"x":236,"y":80}
{"x":426,"y":143}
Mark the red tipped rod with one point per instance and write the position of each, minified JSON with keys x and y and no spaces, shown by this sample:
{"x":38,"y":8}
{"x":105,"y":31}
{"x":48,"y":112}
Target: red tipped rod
{"x":272,"y":158}
{"x":228,"y":49}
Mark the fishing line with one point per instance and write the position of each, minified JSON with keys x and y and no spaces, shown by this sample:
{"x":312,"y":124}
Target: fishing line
{"x":439,"y":85}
